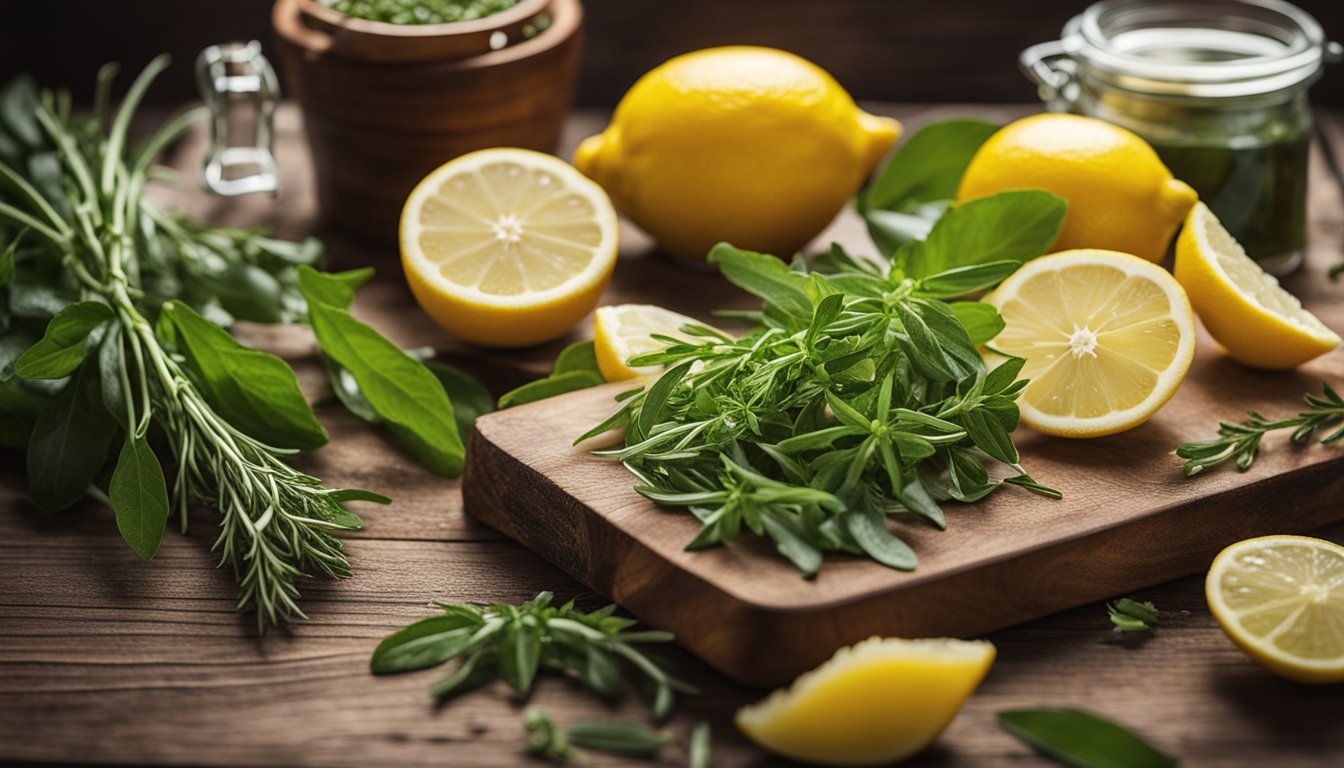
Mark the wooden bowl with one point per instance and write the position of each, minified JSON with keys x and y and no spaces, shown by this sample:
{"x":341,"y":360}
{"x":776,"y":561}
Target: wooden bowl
{"x":384,"y":104}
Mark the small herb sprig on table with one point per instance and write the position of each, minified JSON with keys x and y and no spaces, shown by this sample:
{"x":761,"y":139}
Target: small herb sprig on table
{"x":1128,"y":615}
{"x":112,"y":352}
{"x":1077,"y":738}
{"x":616,"y":737}
{"x":1240,"y":441}
{"x":515,"y":643}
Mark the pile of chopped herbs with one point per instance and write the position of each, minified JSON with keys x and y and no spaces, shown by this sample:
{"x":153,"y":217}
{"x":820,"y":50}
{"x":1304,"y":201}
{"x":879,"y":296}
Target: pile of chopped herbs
{"x":420,"y":11}
{"x":117,"y":376}
{"x":862,"y":396}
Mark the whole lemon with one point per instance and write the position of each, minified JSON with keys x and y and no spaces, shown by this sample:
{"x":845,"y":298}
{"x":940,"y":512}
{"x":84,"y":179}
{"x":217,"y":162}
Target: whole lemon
{"x":1121,"y":197}
{"x":754,"y":146}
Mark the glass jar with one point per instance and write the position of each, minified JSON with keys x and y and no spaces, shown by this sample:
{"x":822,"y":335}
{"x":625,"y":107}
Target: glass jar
{"x":1218,"y":87}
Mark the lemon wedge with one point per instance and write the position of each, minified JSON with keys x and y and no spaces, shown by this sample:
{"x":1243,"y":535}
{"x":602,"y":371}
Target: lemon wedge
{"x":1108,"y":338}
{"x":620,"y":332}
{"x":1246,"y":310}
{"x":507,"y":247}
{"x":873,"y":703}
{"x":1281,"y":598}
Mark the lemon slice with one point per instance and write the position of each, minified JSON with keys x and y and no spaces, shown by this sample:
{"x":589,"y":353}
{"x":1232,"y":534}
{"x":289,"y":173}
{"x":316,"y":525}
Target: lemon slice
{"x":623,"y":331}
{"x":1281,"y":598}
{"x":1246,"y":310}
{"x":872,"y":704}
{"x":1108,"y":338}
{"x":507,"y":247}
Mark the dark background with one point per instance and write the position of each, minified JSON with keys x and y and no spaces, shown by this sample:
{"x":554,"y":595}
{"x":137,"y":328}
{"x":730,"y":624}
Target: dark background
{"x":892,"y":50}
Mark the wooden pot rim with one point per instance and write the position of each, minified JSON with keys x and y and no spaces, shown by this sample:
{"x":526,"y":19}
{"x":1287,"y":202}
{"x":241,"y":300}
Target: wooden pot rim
{"x":319,"y":29}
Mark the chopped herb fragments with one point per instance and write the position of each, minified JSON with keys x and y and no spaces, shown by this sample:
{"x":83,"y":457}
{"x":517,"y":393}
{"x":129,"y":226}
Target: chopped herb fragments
{"x":1132,"y":616}
{"x":420,"y":11}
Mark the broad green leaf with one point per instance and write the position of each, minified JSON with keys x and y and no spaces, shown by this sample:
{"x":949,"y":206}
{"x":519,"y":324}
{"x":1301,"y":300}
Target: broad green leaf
{"x":555,"y":384}
{"x":347,"y":391}
{"x":19,"y":408}
{"x":470,"y":398}
{"x":767,"y":278}
{"x":248,"y":292}
{"x":1004,"y":375}
{"x":409,"y":398}
{"x":981,"y":321}
{"x":426,"y":643}
{"x":519,"y":656}
{"x":960,"y":281}
{"x":66,"y":342}
{"x":254,"y":390}
{"x":70,"y":442}
{"x":579,"y":356}
{"x":335,"y":290}
{"x":111,"y":362}
{"x":1016,"y":225}
{"x":989,"y":435}
{"x":1083,"y":740}
{"x":869,"y":530}
{"x":139,"y":496}
{"x":928,"y":166}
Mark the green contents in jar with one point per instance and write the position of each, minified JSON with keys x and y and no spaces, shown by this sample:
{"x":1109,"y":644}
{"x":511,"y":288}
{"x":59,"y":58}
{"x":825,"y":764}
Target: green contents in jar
{"x":1259,"y":193}
{"x":420,"y":11}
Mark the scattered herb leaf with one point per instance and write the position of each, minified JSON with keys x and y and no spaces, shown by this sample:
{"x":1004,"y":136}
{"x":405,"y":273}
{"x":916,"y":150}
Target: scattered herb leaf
{"x":1240,"y":441}
{"x":1083,"y":740}
{"x":1132,"y":616}
{"x":575,"y":369}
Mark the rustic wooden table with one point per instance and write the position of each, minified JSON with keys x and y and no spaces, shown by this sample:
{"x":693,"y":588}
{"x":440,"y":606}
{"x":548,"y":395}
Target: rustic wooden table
{"x":104,"y":660}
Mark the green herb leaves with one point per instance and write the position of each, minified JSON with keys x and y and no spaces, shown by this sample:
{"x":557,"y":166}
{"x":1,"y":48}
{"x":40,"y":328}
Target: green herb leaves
{"x":862,"y":398}
{"x":139,"y":497}
{"x":405,"y":395}
{"x":615,"y":737}
{"x":1082,"y":740}
{"x":69,"y":336}
{"x":1013,"y":226}
{"x":515,"y":643}
{"x":575,"y":369}
{"x":1240,"y":441}
{"x":1132,"y":616}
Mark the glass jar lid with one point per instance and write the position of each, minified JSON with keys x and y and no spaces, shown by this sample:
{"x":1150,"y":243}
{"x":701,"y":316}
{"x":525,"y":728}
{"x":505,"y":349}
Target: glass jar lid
{"x":1198,"y":48}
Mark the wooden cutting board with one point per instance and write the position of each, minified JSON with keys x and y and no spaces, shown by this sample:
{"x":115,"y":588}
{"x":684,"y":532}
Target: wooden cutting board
{"x":1129,"y":519}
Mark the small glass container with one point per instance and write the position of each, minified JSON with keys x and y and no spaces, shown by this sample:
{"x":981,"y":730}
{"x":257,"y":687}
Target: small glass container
{"x":1218,"y":87}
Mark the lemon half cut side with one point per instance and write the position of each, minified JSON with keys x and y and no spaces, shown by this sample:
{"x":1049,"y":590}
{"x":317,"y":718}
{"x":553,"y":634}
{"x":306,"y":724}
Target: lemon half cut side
{"x":1107,"y":337}
{"x":873,"y":703}
{"x":508,"y":247}
{"x":1281,"y":599}
{"x":624,"y":330}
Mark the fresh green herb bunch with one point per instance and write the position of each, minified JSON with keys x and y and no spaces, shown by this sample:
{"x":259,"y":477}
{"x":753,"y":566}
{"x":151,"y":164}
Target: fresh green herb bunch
{"x":1240,"y":441}
{"x":516,"y":642}
{"x":110,"y":338}
{"x":420,"y":11}
{"x":862,"y":396}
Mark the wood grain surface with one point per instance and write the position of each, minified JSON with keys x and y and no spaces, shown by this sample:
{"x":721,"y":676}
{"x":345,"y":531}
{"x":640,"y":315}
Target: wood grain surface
{"x":104,"y":660}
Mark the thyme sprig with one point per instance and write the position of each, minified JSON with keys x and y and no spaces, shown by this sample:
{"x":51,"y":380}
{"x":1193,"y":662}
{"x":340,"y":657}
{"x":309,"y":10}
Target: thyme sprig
{"x":1240,"y":441}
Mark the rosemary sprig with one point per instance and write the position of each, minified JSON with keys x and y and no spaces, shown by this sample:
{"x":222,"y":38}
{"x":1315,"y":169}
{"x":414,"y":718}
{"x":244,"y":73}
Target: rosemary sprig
{"x":515,"y":643}
{"x":1240,"y":441}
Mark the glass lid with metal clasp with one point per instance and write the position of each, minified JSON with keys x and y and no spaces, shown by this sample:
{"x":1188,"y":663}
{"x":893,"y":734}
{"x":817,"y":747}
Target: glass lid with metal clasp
{"x":1218,"y":87}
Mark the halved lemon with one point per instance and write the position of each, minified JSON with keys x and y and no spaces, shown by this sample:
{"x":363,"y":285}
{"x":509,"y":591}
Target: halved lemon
{"x":620,"y":332}
{"x":1246,"y":310}
{"x":1281,"y":598}
{"x":507,"y":247}
{"x":873,"y":703}
{"x":1108,"y":338}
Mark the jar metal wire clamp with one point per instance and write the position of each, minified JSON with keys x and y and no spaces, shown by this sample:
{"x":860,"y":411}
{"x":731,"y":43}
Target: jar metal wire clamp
{"x":239,"y":86}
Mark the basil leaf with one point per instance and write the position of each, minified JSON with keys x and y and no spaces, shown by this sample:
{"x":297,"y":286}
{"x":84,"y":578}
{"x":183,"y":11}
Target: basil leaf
{"x":928,"y":166}
{"x":70,"y":442}
{"x":519,"y":656}
{"x":470,"y":398}
{"x":402,"y":390}
{"x":556,"y":384}
{"x":256,"y":391}
{"x":1016,"y":225}
{"x":347,"y":391}
{"x":19,"y":408}
{"x":868,"y":528}
{"x":579,"y":356}
{"x":766,"y":277}
{"x":1083,"y":740}
{"x":66,"y":342}
{"x":334,"y":290}
{"x":981,"y":321}
{"x":139,"y":497}
{"x":111,"y":359}
{"x":426,"y":643}
{"x":354,"y":279}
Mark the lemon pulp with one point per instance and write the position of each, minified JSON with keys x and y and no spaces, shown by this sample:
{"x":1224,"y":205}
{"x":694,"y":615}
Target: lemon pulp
{"x":1281,"y":598}
{"x":507,"y":247}
{"x":620,"y":332}
{"x":1107,"y":338}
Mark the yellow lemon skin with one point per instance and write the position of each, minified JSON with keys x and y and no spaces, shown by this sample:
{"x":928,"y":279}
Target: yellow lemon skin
{"x":504,"y":327}
{"x":874,"y":703}
{"x":748,"y":145}
{"x":1121,"y":197}
{"x":1318,"y":672}
{"x":1248,"y":331}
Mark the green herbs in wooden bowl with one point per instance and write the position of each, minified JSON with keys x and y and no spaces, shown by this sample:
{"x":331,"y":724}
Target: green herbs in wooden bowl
{"x":419,"y":11}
